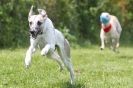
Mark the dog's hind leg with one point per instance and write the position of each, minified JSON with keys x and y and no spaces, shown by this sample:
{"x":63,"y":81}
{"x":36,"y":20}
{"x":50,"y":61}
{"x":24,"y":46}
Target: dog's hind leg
{"x":64,"y":52}
{"x":115,"y":44}
{"x":57,"y":58}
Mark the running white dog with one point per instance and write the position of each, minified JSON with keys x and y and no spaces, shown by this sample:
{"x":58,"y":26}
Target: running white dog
{"x":49,"y":39}
{"x":110,"y":30}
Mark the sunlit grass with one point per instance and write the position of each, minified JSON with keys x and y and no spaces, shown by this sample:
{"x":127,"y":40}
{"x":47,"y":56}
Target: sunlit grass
{"x":93,"y":69}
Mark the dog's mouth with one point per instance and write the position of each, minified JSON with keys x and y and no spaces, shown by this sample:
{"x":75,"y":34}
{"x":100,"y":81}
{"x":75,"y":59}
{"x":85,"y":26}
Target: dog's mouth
{"x":34,"y":34}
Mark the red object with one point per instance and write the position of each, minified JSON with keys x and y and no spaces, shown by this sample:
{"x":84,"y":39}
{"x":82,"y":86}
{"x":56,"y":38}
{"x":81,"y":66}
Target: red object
{"x":107,"y":28}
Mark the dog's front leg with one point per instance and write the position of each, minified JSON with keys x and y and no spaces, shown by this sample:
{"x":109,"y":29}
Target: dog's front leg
{"x":102,"y":36}
{"x":45,"y":50}
{"x":29,"y":52}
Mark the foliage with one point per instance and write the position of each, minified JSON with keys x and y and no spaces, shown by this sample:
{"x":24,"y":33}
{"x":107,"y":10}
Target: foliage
{"x":78,"y":18}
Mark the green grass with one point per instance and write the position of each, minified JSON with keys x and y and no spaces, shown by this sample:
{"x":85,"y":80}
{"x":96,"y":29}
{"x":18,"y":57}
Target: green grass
{"x":93,"y":69}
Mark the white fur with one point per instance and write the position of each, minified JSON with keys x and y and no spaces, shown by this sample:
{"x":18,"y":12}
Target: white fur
{"x":47,"y":41}
{"x":113,"y":35}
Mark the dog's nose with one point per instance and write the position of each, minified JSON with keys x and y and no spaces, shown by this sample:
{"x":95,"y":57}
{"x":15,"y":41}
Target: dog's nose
{"x":32,"y":32}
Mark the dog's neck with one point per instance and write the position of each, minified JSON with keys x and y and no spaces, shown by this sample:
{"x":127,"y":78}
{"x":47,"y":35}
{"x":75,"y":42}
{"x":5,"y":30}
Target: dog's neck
{"x":106,"y":27}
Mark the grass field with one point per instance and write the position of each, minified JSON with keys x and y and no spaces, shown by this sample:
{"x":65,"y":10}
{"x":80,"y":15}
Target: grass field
{"x":93,"y":69}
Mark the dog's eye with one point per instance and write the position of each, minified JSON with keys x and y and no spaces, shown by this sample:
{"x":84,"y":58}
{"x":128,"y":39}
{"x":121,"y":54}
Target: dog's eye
{"x":30,"y":23}
{"x":39,"y":23}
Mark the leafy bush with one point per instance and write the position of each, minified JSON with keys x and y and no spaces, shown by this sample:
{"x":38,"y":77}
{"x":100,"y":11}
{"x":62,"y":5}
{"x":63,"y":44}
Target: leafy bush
{"x":77,"y":19}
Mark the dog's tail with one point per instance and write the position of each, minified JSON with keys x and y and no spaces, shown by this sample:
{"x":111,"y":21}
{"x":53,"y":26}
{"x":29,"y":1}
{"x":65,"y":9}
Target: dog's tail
{"x":67,"y":47}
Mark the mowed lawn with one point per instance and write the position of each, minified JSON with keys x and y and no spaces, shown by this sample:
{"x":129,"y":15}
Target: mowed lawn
{"x":93,"y":69}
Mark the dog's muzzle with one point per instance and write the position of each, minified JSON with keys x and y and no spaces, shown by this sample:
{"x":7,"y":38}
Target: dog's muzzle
{"x":34,"y":34}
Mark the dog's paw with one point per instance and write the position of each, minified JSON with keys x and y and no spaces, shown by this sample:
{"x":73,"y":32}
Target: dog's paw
{"x":27,"y":66}
{"x":44,"y":52}
{"x":101,"y":48}
{"x":72,"y":82}
{"x":116,"y":50}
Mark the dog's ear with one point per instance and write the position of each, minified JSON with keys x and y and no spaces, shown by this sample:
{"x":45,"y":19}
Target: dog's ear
{"x":42,"y":12}
{"x":31,"y":11}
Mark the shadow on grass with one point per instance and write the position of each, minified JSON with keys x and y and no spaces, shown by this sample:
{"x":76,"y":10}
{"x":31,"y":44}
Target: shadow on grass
{"x":125,"y":57}
{"x":69,"y":85}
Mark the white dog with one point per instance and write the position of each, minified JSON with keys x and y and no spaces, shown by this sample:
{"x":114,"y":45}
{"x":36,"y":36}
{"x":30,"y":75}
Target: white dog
{"x":49,"y":39}
{"x":110,"y":30}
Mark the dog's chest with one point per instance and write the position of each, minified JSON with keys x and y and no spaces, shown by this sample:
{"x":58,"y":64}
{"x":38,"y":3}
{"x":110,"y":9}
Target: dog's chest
{"x":42,"y":41}
{"x":111,"y":34}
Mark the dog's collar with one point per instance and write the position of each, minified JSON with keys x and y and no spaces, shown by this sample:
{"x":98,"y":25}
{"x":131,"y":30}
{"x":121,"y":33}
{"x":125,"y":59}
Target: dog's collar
{"x":106,"y":28}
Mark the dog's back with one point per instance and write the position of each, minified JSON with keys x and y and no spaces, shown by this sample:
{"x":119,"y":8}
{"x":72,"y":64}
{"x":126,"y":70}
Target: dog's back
{"x":62,"y":41}
{"x":116,"y":23}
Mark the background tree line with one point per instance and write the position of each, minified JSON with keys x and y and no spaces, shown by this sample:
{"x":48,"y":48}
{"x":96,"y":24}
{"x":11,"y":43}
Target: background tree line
{"x":77,"y":19}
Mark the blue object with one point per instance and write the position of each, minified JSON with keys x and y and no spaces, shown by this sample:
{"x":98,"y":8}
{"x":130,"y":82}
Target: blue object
{"x":104,"y":18}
